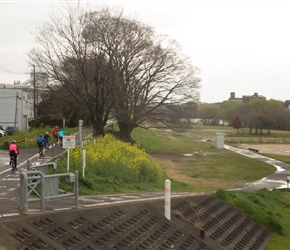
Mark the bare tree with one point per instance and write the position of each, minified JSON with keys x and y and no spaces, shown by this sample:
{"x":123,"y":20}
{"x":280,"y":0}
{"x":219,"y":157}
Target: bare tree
{"x":152,"y":71}
{"x":114,"y":65}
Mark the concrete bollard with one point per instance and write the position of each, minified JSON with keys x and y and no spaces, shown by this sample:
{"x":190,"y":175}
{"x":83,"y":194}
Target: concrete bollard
{"x":167,"y":199}
{"x":28,"y":164}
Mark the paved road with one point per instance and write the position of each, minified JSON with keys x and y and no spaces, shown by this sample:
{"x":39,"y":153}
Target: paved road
{"x":277,"y":180}
{"x":10,"y":183}
{"x":9,"y":187}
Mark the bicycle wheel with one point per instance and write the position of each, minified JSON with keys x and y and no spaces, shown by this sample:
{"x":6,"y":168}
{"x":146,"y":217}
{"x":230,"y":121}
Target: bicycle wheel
{"x":52,"y":150}
{"x":42,"y":153}
{"x":13,"y":166}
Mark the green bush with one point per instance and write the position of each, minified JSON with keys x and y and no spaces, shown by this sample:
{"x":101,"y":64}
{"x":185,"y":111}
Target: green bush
{"x":112,"y":162}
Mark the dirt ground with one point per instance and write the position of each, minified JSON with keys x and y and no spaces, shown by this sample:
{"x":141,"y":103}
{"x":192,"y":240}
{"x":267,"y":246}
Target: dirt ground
{"x":278,"y":149}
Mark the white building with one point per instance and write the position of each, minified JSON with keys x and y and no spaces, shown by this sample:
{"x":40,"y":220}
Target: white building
{"x":17,"y":101}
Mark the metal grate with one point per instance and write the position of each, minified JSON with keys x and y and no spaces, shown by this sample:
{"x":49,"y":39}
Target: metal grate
{"x":142,"y":226}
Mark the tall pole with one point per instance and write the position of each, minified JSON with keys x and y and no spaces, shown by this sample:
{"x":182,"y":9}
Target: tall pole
{"x":34,"y":93}
{"x":15,"y":118}
{"x":81,"y":134}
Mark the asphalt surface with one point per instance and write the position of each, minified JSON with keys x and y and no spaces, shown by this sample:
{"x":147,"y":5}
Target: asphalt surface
{"x":10,"y":183}
{"x":277,"y":180}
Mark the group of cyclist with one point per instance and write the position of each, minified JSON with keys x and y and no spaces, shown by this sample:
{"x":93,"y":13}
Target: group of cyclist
{"x":42,"y":142}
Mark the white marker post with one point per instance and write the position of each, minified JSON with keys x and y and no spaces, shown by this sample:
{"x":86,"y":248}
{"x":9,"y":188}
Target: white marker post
{"x":167,"y":199}
{"x":84,"y":162}
{"x":67,"y":161}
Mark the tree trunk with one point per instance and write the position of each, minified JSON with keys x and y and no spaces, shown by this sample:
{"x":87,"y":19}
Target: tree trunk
{"x":250,"y":130}
{"x":125,"y":132}
{"x":98,"y":125}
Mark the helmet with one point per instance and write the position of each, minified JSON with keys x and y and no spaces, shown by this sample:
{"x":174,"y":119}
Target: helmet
{"x":13,"y":141}
{"x":47,"y":133}
{"x":40,"y":135}
{"x":55,"y":126}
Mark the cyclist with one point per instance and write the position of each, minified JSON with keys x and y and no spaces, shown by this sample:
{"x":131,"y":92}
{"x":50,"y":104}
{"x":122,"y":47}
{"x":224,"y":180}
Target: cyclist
{"x":47,"y":139}
{"x":60,"y":135}
{"x":40,"y":143}
{"x":54,"y":133}
{"x":13,"y":151}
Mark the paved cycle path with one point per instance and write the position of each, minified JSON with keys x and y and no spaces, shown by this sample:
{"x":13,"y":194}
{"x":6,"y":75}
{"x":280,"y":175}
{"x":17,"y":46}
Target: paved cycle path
{"x":277,"y":180}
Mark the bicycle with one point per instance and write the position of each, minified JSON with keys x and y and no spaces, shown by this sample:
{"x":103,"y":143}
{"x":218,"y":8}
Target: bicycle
{"x":46,"y":145}
{"x":60,"y":141}
{"x":55,"y":141}
{"x":52,"y":149}
{"x":13,"y":163}
{"x":41,"y":153}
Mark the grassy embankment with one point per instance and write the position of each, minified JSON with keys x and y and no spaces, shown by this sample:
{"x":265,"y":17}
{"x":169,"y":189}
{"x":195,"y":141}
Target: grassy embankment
{"x":196,"y":166}
{"x":206,"y":168}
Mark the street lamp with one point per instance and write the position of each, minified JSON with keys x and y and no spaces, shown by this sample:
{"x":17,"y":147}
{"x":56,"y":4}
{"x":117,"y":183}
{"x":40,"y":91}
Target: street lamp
{"x":80,"y":133}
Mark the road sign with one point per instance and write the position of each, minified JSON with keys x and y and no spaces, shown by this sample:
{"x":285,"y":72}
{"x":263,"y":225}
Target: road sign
{"x":69,"y":141}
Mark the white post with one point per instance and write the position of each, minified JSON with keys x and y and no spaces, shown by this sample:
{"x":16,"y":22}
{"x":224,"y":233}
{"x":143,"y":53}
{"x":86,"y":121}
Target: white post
{"x":80,"y":133}
{"x":67,"y":167}
{"x":167,"y":199}
{"x":84,"y":162}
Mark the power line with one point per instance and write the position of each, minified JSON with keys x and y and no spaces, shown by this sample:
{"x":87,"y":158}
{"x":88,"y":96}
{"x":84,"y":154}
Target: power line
{"x":11,"y":72}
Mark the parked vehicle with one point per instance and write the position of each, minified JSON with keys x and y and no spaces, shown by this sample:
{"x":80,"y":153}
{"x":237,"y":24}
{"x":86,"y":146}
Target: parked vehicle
{"x":2,"y":132}
{"x":11,"y":130}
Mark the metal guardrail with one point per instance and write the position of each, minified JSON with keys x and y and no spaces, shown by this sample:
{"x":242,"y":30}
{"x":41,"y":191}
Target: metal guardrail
{"x":48,"y":186}
{"x":41,"y":167}
{"x":36,"y":182}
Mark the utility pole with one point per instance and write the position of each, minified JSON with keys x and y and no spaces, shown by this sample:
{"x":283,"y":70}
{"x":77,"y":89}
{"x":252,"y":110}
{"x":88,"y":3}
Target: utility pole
{"x":34,"y":93}
{"x":16,"y":110}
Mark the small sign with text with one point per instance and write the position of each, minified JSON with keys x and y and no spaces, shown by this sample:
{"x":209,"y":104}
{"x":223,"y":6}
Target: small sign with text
{"x":69,"y":141}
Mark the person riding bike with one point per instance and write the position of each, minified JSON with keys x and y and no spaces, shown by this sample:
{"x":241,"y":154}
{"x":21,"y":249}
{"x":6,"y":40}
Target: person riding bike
{"x":47,"y":139}
{"x":13,"y":151}
{"x":40,"y":143}
{"x":60,"y":135}
{"x":54,"y":133}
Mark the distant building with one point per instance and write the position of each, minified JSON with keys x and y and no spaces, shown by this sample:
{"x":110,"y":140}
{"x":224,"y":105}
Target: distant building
{"x":244,"y":98}
{"x":17,"y":100}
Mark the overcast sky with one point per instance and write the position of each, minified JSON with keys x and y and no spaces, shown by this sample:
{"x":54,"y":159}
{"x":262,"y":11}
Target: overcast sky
{"x":240,"y":46}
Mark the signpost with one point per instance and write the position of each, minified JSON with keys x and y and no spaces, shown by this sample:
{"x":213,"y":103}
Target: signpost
{"x":69,"y":141}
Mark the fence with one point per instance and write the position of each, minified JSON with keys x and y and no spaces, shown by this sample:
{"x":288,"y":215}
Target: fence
{"x":25,"y":140}
{"x":36,"y":186}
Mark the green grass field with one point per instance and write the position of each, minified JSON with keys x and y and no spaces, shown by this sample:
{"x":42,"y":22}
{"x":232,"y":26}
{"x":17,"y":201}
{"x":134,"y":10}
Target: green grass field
{"x":197,"y":166}
{"x":209,"y":169}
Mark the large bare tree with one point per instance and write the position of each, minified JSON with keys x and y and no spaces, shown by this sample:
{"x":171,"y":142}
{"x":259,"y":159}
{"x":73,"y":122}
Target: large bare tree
{"x":151,"y":69}
{"x":115,"y":65}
